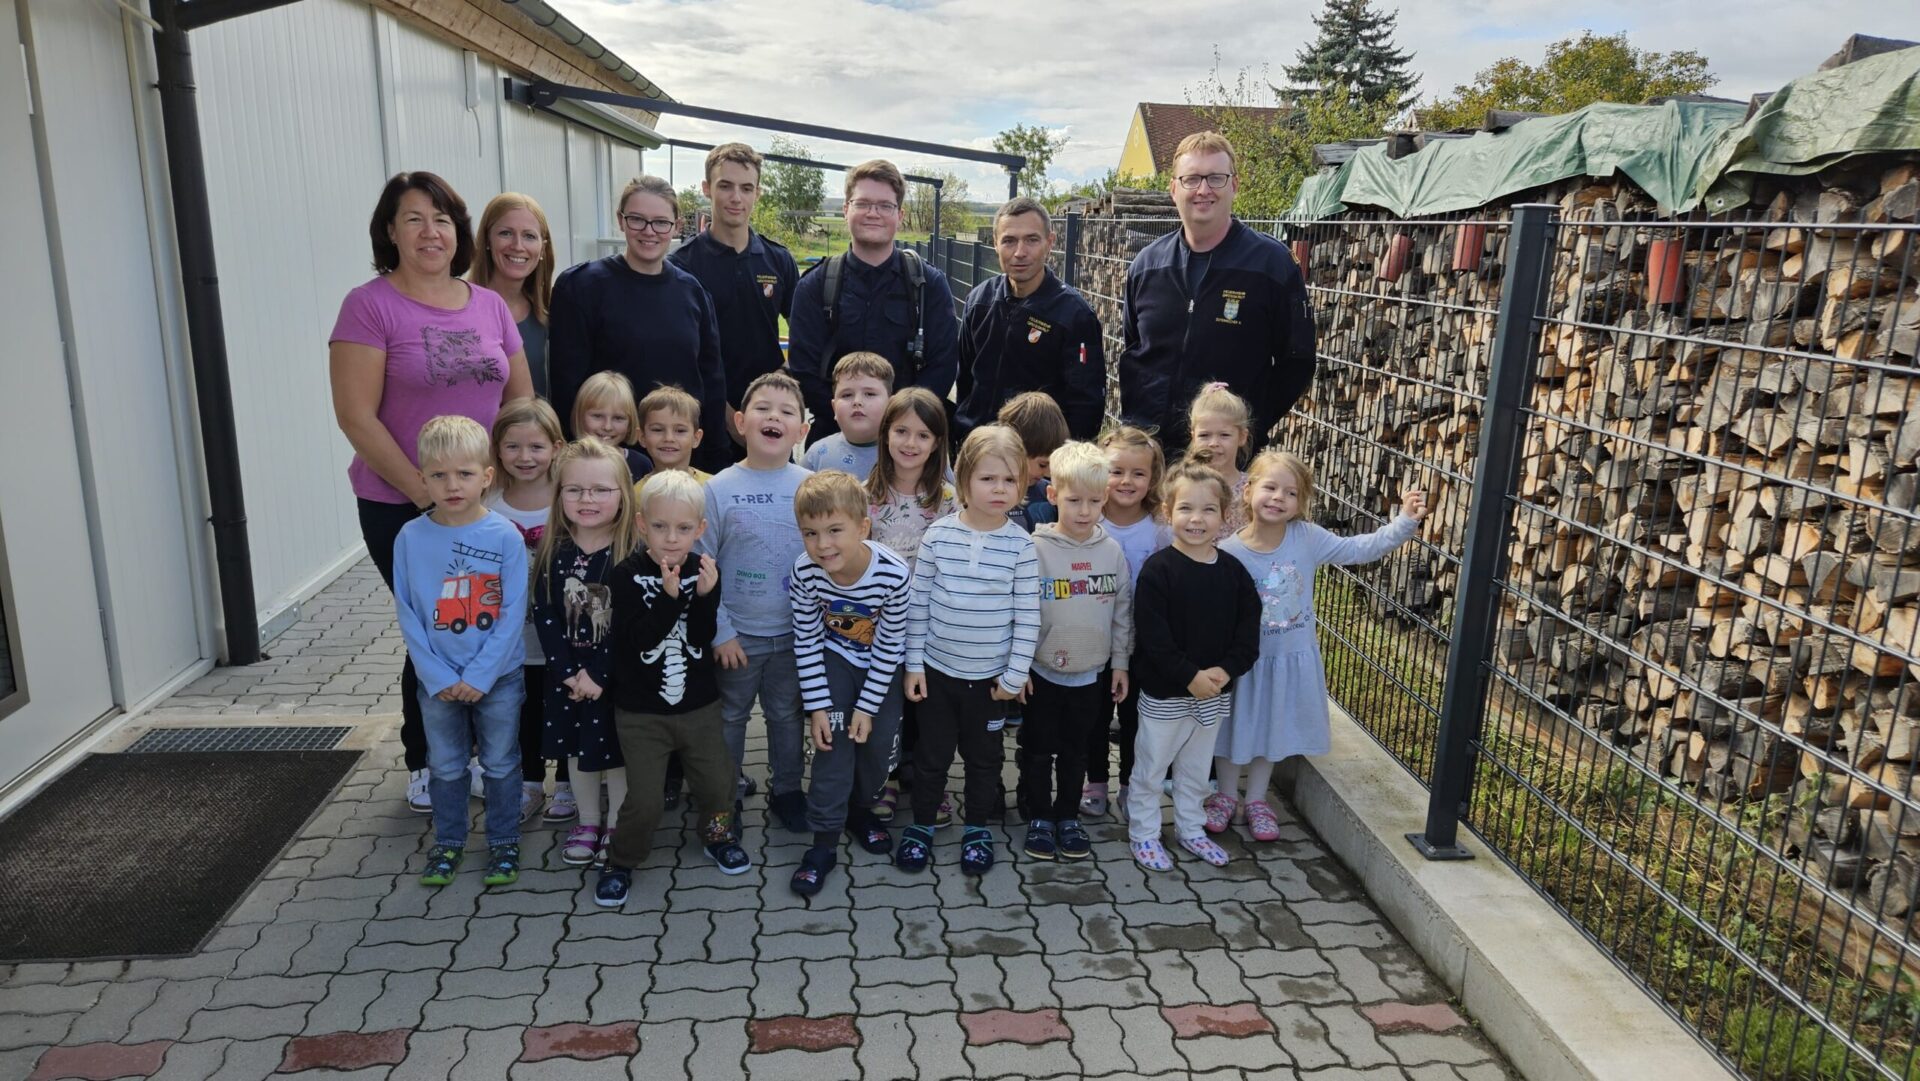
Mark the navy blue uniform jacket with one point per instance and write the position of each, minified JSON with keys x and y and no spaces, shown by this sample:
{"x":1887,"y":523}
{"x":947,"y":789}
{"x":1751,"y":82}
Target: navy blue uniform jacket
{"x":1249,"y":326}
{"x":655,"y":329}
{"x":1049,"y":341}
{"x":874,"y":317}
{"x":751,"y":290}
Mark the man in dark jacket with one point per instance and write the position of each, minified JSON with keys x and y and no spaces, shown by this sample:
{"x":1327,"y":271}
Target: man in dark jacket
{"x":750,"y":276}
{"x":875,"y":309}
{"x":1212,"y":301}
{"x":1028,"y":330}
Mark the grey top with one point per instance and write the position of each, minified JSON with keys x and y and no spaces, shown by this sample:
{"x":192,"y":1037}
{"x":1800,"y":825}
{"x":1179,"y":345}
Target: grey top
{"x":534,"y":334}
{"x":752,"y":534}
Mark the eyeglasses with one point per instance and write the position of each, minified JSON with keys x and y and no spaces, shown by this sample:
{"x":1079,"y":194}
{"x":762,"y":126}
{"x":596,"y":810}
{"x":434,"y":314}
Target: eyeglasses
{"x":866,"y":206}
{"x":636,"y":223}
{"x":1216,"y":181}
{"x":587,"y":495}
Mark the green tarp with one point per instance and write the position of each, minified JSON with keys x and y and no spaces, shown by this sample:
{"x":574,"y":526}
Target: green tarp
{"x":1683,"y":154}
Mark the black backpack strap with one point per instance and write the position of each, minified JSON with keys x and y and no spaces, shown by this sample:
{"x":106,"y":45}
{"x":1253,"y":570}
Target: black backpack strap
{"x":832,"y":267}
{"x":916,"y":274}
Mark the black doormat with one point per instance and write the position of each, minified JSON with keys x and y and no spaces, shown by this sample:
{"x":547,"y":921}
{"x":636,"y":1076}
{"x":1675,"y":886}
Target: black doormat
{"x":142,"y":855}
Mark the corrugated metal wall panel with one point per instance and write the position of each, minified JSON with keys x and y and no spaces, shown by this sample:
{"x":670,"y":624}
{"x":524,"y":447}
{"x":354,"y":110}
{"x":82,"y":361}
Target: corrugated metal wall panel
{"x":589,"y":196}
{"x":537,"y":165}
{"x":290,"y":114}
{"x":438,"y":131}
{"x":116,"y":341}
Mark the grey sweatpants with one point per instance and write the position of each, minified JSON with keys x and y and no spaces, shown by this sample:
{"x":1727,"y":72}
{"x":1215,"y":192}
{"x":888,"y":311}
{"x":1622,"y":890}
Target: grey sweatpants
{"x":850,"y":774}
{"x":772,"y":677}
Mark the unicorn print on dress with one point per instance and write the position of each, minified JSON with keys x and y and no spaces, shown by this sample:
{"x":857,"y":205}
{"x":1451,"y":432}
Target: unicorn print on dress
{"x":1283,"y":596}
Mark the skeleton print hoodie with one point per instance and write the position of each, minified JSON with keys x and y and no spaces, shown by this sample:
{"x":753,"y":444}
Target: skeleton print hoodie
{"x":662,"y":646}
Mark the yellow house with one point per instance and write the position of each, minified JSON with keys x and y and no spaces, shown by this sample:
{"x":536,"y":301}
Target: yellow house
{"x":1157,"y":128}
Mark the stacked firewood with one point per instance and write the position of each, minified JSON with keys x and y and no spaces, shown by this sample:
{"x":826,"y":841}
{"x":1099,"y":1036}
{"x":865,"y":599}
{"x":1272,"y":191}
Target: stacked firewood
{"x":1690,"y":500}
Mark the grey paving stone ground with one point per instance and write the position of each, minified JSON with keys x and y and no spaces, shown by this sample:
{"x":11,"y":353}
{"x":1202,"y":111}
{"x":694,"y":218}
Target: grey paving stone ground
{"x":339,"y":938}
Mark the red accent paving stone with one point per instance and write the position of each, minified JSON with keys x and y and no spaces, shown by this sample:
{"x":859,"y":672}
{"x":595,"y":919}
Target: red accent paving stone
{"x":101,"y":1061}
{"x":345,"y":1050}
{"x":802,"y":1033}
{"x":1241,"y":1019}
{"x":1011,"y":1026}
{"x":579,"y":1041}
{"x":1404,"y":1017}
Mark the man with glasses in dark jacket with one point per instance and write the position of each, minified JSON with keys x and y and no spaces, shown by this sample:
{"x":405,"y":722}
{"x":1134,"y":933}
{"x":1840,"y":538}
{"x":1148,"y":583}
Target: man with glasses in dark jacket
{"x":1212,"y":301}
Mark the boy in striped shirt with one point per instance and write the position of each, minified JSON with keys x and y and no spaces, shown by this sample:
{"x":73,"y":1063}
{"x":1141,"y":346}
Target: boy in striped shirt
{"x":973,"y":619}
{"x":849,"y":598}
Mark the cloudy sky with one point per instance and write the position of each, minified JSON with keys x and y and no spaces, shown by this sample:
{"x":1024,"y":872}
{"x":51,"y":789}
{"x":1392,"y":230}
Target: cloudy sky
{"x":957,"y":71}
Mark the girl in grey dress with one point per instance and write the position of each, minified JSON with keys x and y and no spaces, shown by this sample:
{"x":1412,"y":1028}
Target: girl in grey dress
{"x":1280,"y":707}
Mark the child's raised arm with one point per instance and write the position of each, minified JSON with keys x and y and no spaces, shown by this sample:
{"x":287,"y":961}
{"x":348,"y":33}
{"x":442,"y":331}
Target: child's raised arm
{"x":1331,"y":550}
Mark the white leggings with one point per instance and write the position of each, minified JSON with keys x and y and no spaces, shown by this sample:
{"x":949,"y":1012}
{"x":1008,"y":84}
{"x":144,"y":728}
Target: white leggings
{"x":1176,"y":734}
{"x":586,"y":792}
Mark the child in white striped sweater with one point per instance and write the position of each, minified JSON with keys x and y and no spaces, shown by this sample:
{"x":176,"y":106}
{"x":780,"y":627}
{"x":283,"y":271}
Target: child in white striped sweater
{"x":973,"y":619}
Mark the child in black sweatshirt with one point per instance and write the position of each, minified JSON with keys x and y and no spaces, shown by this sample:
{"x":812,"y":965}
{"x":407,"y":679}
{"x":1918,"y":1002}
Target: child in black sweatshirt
{"x":1196,"y":623}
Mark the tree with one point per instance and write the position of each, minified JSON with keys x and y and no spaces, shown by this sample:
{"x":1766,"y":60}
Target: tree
{"x":1039,"y":146}
{"x":1092,"y":190}
{"x":955,"y":217}
{"x":1355,"y":51}
{"x":1577,"y":71}
{"x":692,"y":204}
{"x":796,"y":191}
{"x":1274,"y":151}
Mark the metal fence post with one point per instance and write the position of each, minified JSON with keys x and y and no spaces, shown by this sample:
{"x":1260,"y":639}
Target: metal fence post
{"x":1070,"y":265}
{"x":973,"y":270}
{"x":935,"y":231}
{"x":1502,"y":427}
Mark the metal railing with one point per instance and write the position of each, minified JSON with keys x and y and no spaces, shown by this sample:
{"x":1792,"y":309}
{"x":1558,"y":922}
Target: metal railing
{"x":1657,"y":646}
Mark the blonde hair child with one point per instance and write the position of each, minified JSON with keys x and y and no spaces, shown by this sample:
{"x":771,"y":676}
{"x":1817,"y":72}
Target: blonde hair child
{"x":1221,"y":424}
{"x":1279,"y":706}
{"x":591,"y":529}
{"x":605,"y":409}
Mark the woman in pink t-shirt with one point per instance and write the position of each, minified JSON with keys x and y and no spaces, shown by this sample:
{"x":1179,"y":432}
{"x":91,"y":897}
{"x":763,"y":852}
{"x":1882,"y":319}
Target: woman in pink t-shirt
{"x":415,"y":343}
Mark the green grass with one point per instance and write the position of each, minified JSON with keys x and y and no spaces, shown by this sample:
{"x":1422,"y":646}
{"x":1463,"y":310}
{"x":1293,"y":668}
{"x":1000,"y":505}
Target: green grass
{"x":1684,"y":849}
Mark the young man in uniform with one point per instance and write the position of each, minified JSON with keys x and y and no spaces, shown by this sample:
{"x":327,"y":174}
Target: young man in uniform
{"x":1028,"y":330}
{"x":750,"y":276}
{"x":873,"y":298}
{"x":1212,"y":301}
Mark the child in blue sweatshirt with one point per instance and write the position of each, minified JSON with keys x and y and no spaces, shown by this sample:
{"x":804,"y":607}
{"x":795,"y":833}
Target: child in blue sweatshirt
{"x":460,"y":587}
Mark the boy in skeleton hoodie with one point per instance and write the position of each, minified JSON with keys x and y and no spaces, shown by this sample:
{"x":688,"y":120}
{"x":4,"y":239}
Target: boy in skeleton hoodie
{"x":666,"y":699}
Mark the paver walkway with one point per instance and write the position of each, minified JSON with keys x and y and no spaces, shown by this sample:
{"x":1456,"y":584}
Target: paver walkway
{"x":340,"y":965}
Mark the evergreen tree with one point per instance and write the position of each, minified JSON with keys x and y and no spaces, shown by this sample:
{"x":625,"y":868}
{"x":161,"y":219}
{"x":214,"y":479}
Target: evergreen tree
{"x":1355,"y":51}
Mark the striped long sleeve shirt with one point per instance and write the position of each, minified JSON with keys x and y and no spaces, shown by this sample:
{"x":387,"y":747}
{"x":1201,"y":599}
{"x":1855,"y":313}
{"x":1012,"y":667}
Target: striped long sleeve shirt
{"x":974,"y":612}
{"x":865,"y":623}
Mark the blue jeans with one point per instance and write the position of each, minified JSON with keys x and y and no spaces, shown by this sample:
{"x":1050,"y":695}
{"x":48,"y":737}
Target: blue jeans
{"x":773,"y":676}
{"x":492,"y":724}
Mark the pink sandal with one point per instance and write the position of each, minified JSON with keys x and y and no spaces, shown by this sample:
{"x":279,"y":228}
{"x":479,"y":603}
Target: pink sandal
{"x":1220,"y":810}
{"x":581,"y":843}
{"x":1204,"y":848}
{"x":1151,"y":855}
{"x":1261,"y":820}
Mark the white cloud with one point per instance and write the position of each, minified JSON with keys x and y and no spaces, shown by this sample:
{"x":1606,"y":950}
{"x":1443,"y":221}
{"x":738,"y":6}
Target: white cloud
{"x":957,"y":71}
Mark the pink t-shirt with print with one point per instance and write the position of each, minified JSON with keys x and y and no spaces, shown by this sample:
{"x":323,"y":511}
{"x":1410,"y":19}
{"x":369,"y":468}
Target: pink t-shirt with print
{"x":440,"y":362}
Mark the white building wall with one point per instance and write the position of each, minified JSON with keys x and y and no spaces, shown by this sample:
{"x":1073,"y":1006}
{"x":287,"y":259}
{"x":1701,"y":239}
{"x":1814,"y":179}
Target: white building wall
{"x":146,"y":539}
{"x":536,"y":165}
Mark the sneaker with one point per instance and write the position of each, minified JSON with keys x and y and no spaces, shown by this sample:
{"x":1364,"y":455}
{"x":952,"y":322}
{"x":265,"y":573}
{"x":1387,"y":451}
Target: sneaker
{"x":916,"y":849}
{"x":419,"y":798}
{"x":744,"y":787}
{"x":1040,"y":844}
{"x":503,"y":865}
{"x":873,"y":837}
{"x":562,"y":807}
{"x":883,"y":807}
{"x":532,"y":799}
{"x":442,"y":862}
{"x":1119,"y":805}
{"x":943,"y":817}
{"x":813,"y":870}
{"x":730,"y":857}
{"x":1220,"y":811}
{"x":476,"y":781}
{"x":671,"y":796}
{"x":1151,"y":855}
{"x":1261,"y":821}
{"x":1073,"y":840}
{"x":790,"y":808}
{"x":581,"y":845}
{"x":976,"y":851}
{"x":1203,"y":847}
{"x":606,"y":842}
{"x":1093,"y":799}
{"x":611,"y":891}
